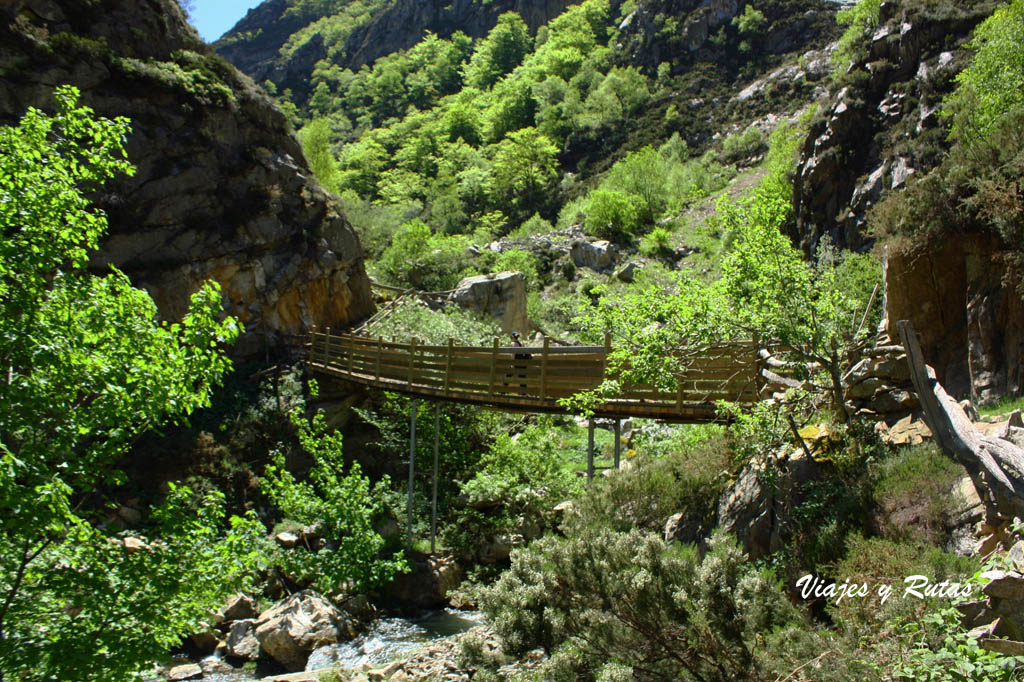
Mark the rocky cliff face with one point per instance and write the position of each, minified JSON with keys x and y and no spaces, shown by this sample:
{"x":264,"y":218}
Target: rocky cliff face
{"x":964,"y":298}
{"x":662,"y":30}
{"x":254,"y":44}
{"x":883,"y":125}
{"x":880,"y":129}
{"x":222,"y":189}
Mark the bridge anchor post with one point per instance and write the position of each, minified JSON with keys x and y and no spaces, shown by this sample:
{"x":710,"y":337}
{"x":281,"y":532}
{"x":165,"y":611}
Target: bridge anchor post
{"x":433,"y":497}
{"x":590,"y":449}
{"x":412,"y":473}
{"x":618,"y":440}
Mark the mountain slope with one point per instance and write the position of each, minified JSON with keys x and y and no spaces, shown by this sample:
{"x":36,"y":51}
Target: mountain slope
{"x":222,"y":189}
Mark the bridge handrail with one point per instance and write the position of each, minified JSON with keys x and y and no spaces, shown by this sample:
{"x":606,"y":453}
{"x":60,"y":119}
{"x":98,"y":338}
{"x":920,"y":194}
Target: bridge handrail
{"x":531,"y":377}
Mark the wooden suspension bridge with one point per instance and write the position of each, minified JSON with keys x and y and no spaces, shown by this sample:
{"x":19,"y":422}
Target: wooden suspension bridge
{"x":534,"y":379}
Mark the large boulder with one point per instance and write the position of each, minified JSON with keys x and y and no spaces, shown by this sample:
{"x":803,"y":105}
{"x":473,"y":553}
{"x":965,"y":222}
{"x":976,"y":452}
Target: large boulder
{"x":599,"y":256}
{"x":239,"y":607}
{"x":427,"y":585}
{"x":241,"y":641}
{"x":291,"y":629}
{"x":753,"y":509}
{"x":502,"y":296}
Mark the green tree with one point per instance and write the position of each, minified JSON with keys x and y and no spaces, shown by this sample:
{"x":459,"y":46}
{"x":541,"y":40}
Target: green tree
{"x":641,"y":174}
{"x":613,"y":215}
{"x":315,"y":137}
{"x":993,"y":85}
{"x":87,"y":369}
{"x":524,"y":169}
{"x":341,"y":506}
{"x":752,"y":21}
{"x":500,"y":52}
{"x":422,"y":260}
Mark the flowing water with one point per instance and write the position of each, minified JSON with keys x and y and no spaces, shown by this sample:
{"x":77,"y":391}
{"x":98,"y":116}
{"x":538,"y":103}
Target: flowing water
{"x":389,"y":638}
{"x":384,"y":640}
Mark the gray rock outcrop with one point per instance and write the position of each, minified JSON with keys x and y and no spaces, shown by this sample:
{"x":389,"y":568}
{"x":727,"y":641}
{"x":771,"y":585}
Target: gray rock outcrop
{"x":502,"y":296}
{"x":599,"y":256}
{"x":427,"y":585}
{"x":291,"y":629}
{"x":752,"y":509}
{"x":848,"y":161}
{"x":222,"y":190}
{"x":241,"y":640}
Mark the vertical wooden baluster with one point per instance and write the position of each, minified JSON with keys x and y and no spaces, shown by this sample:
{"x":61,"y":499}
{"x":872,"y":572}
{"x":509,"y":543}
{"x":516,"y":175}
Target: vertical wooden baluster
{"x":312,"y":345}
{"x":618,"y":440}
{"x":607,"y":350}
{"x":412,"y":472}
{"x":351,"y":352}
{"x":544,"y":370}
{"x":412,"y":358}
{"x":433,"y":494}
{"x":494,"y":364}
{"x":448,"y":365}
{"x":590,"y":449}
{"x":327,"y":347}
{"x":380,"y":342}
{"x":679,"y":393}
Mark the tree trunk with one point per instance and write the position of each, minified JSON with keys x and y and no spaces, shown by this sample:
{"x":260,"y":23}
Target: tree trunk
{"x":996,"y":466}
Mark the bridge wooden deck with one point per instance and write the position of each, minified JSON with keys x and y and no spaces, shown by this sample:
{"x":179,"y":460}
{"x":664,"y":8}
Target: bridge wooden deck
{"x":533,"y":379}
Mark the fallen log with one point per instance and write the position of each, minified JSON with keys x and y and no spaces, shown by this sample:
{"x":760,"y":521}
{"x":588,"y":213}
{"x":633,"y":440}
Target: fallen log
{"x":996,"y":466}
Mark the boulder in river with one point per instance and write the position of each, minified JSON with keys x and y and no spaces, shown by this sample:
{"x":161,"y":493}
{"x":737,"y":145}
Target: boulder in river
{"x":291,"y":629}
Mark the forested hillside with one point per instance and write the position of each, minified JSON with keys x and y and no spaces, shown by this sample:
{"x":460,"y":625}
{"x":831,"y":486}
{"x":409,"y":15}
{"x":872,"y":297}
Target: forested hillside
{"x":690,"y":202}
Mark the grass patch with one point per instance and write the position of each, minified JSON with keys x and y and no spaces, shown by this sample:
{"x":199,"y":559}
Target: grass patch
{"x":913,"y":493}
{"x":1003,"y":406}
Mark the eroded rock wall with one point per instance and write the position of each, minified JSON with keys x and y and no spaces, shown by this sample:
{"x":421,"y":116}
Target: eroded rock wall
{"x":222,"y":190}
{"x":883,"y":125}
{"x":964,"y":299}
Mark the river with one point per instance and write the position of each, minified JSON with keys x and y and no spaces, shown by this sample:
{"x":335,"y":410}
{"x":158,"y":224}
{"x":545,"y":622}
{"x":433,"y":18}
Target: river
{"x":384,"y":640}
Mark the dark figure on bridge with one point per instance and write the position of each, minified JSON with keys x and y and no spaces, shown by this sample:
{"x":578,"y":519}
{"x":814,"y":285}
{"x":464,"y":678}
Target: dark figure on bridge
{"x":520,"y":356}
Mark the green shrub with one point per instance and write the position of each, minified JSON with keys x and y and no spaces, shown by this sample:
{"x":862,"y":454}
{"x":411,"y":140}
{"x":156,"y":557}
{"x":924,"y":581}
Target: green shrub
{"x":519,"y":482}
{"x":626,"y":599}
{"x":993,"y":84}
{"x":656,"y":242}
{"x":516,"y":260}
{"x":341,"y":504}
{"x":434,"y":327}
{"x":651,"y":490}
{"x":859,"y":20}
{"x":612,"y":215}
{"x":878,"y":561}
{"x":739,"y":147}
{"x":425,"y":261}
{"x":913,"y":492}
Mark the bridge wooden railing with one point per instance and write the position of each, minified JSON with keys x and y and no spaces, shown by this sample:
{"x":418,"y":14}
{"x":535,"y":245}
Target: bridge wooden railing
{"x":533,"y":379}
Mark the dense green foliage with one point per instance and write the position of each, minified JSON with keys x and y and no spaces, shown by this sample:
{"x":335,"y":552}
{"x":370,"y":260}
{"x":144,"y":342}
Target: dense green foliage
{"x":87,"y":370}
{"x":993,"y":85}
{"x":766,"y":290}
{"x":611,"y":605}
{"x":339,"y":508}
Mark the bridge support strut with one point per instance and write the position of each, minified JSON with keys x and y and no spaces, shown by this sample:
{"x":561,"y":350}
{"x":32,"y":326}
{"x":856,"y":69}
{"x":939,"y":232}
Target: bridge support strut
{"x":433,"y":497}
{"x":618,"y":440}
{"x":412,"y":473}
{"x":590,"y":449}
